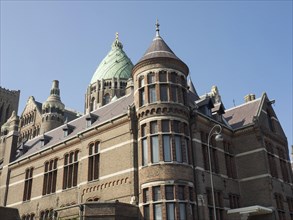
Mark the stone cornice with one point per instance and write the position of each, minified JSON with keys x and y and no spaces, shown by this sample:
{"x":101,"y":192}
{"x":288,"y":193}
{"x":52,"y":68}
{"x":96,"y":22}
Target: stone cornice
{"x":162,"y":62}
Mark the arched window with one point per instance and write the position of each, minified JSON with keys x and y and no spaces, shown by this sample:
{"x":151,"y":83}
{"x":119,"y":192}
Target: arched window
{"x":50,"y":177}
{"x":70,"y":169}
{"x":28,"y":184}
{"x":106,"y":98}
{"x":93,"y":104}
{"x":94,"y":161}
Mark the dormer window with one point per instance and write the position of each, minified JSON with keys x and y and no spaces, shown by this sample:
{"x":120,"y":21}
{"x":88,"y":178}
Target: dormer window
{"x":207,"y":111}
{"x":45,"y":140}
{"x":90,"y":119}
{"x":68,"y":129}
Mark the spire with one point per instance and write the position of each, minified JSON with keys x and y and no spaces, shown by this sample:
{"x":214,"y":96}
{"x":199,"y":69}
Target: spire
{"x":55,"y":88}
{"x":159,"y":49}
{"x":54,"y":92}
{"x":157,"y":28}
{"x":54,"y":98}
{"x":191,"y":87}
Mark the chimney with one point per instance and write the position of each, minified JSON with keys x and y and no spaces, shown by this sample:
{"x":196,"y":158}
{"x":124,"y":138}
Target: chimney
{"x":249,"y":97}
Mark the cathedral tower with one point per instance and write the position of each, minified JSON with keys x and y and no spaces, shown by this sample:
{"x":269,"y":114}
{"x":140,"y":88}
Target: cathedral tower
{"x":52,"y":110}
{"x":160,"y":96}
{"x":110,"y":79}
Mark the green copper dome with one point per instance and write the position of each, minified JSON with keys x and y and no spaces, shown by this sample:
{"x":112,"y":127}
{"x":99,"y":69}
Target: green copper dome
{"x":116,"y":64}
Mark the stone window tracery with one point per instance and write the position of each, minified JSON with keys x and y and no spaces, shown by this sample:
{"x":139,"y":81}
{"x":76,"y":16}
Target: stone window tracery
{"x":219,"y":203}
{"x":50,"y":177}
{"x":167,"y":202}
{"x":30,"y":216}
{"x":94,"y":161}
{"x":230,"y":160}
{"x":70,"y":169}
{"x":168,"y":141}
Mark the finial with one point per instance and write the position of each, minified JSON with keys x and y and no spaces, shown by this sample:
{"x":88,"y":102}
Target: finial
{"x":117,"y":36}
{"x":117,"y":43}
{"x":157,"y":28}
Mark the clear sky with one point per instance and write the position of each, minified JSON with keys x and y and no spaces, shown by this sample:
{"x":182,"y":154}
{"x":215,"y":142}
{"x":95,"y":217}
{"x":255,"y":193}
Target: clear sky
{"x":241,"y":46}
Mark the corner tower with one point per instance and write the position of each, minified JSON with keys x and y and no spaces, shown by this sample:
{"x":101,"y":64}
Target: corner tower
{"x":52,"y":110}
{"x":165,"y":171}
{"x":110,"y":78}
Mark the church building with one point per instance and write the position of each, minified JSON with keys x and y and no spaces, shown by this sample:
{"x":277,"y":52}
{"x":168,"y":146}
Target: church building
{"x":149,"y":147}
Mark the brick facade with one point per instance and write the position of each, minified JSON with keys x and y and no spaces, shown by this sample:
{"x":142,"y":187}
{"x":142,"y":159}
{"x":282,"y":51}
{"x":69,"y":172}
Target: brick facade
{"x":145,"y":155}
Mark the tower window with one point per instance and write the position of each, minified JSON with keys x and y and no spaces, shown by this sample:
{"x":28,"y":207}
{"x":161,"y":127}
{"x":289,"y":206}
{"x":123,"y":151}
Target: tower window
{"x":141,"y":82}
{"x":165,"y":126}
{"x":173,"y":77}
{"x":146,"y":195}
{"x":146,"y":212}
{"x":164,"y":92}
{"x":163,"y":76}
{"x":106,"y":99}
{"x":141,"y":97}
{"x":174,"y":96}
{"x":157,"y":193}
{"x":154,"y":127}
{"x":167,"y":147}
{"x":169,"y":190}
{"x":151,"y":78}
{"x":155,"y":149}
{"x":158,"y":211}
{"x":144,"y":152}
{"x":152,"y":94}
{"x":93,"y":104}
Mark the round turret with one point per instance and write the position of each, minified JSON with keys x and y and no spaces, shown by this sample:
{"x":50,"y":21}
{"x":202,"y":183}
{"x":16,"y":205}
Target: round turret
{"x":52,"y":110}
{"x":160,"y":97}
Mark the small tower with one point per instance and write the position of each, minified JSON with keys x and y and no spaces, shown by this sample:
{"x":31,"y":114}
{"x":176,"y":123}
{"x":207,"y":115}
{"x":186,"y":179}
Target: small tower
{"x":160,"y":98}
{"x":52,"y":110}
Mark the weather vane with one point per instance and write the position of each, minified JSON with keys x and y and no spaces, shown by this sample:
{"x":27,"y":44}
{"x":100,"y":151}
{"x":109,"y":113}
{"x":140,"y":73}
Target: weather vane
{"x":157,"y":28}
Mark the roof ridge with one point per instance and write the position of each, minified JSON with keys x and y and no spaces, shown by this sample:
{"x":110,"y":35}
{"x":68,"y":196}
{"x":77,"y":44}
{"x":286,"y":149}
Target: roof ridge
{"x":243,"y":104}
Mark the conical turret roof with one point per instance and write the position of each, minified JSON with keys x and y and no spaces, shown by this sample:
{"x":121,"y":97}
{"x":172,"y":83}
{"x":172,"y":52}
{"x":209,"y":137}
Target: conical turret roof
{"x":160,"y":49}
{"x":116,"y":64}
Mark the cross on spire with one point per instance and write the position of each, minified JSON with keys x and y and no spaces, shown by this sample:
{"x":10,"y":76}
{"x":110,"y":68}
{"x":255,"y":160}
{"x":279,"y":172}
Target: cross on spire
{"x":157,"y":28}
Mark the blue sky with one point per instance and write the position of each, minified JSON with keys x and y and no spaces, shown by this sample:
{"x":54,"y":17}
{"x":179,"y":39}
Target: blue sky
{"x":241,"y":46}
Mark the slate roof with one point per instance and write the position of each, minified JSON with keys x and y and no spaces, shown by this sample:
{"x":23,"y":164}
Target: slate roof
{"x":242,"y":115}
{"x":55,"y":136}
{"x":158,"y":48}
{"x":39,"y":105}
